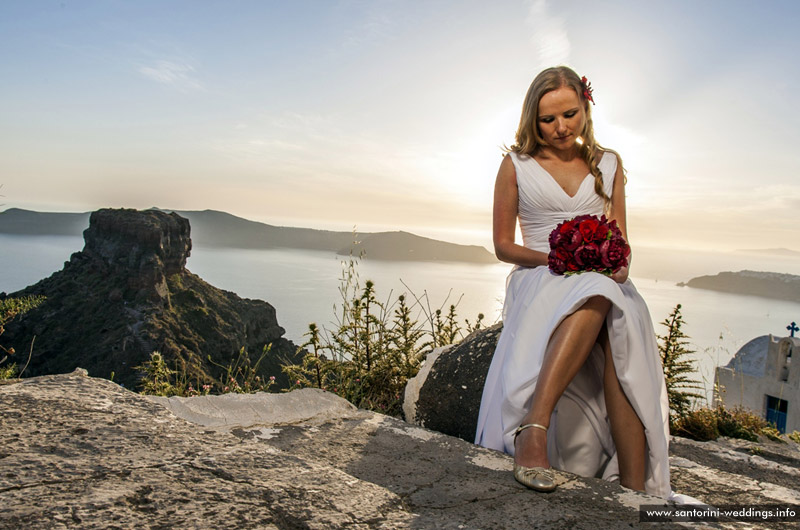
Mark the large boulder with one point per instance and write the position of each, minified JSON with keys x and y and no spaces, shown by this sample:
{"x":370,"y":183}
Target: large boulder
{"x":445,"y":396}
{"x":129,"y":293}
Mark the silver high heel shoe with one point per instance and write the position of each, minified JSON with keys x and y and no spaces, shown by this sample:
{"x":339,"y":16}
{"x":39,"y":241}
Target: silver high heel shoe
{"x":536,"y":478}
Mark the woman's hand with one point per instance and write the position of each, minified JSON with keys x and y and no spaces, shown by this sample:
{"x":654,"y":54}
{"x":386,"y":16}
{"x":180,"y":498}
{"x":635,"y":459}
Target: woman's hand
{"x":621,"y":275}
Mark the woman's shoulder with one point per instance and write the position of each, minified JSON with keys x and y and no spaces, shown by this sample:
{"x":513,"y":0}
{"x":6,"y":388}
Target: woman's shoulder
{"x":606,"y":154}
{"x":520,"y":160}
{"x":514,"y":160}
{"x":516,"y":156}
{"x":607,"y":160}
{"x":508,"y":169}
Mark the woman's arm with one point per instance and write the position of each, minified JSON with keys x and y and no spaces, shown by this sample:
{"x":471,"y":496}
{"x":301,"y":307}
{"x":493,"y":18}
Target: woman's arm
{"x":617,"y":213}
{"x":506,"y":205}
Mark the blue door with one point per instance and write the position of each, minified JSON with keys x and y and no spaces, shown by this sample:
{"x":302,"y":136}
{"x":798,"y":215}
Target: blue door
{"x":776,"y":412}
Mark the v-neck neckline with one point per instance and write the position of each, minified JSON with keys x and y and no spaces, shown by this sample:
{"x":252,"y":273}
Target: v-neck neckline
{"x":554,"y":181}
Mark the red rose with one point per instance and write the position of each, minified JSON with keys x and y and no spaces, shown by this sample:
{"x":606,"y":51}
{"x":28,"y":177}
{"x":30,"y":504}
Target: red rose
{"x":614,"y":253}
{"x":573,"y":240}
{"x":588,"y":256}
{"x":602,"y":233}
{"x":588,"y":228}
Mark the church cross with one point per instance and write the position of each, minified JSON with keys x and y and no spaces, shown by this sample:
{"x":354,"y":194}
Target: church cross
{"x":792,"y":328}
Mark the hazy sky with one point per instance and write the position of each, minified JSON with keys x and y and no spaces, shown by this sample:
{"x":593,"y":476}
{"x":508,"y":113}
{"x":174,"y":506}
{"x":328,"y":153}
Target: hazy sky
{"x":391,"y":114}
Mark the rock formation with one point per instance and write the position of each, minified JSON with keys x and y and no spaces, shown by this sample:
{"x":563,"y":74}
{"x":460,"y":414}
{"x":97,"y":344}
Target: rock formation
{"x":452,"y":380}
{"x":80,"y":452}
{"x":127,"y":294}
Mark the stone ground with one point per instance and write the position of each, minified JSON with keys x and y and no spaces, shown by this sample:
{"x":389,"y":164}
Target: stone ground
{"x":79,"y":452}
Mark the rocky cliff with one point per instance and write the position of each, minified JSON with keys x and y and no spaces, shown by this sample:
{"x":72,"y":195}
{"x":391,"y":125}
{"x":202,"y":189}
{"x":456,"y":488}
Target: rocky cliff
{"x":127,"y":294}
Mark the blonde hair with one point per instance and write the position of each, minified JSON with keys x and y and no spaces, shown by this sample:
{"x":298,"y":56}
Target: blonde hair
{"x":528,"y":139}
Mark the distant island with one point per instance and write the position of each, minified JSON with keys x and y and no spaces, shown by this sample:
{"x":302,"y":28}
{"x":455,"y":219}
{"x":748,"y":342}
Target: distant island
{"x":211,"y":228}
{"x":765,"y":284}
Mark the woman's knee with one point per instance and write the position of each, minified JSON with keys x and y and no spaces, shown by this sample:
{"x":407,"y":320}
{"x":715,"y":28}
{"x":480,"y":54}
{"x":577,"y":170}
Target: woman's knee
{"x":598,"y":303}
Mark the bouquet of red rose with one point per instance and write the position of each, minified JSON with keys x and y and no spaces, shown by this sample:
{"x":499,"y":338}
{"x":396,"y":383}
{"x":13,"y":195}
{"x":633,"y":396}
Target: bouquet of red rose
{"x":587,"y":243}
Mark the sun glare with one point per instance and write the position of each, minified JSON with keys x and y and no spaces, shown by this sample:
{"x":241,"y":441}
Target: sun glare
{"x":479,"y":153}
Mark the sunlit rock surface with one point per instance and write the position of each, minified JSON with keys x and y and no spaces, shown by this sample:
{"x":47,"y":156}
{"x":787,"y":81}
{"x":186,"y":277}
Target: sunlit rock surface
{"x":85,"y":453}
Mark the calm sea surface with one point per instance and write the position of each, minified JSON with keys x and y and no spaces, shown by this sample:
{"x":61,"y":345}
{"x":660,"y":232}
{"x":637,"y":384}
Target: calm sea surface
{"x":304,"y":287}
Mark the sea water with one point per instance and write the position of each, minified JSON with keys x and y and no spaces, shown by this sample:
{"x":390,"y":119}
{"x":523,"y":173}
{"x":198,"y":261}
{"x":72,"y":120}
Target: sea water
{"x":304,"y":285}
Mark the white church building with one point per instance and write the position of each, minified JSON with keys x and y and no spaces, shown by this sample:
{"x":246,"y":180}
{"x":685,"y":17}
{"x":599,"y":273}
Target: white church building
{"x":762,"y":377}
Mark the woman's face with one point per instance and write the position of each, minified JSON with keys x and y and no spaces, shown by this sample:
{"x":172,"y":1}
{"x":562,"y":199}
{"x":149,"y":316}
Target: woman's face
{"x":561,"y":118}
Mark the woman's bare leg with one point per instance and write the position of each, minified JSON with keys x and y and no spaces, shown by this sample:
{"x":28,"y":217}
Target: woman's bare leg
{"x":626,"y":427}
{"x":569,"y":346}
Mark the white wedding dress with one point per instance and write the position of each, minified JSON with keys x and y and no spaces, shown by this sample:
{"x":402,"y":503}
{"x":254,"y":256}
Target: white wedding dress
{"x":579,"y":439}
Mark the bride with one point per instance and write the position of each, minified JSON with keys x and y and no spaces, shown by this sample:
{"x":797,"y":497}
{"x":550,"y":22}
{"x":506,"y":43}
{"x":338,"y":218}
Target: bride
{"x":576,"y":381}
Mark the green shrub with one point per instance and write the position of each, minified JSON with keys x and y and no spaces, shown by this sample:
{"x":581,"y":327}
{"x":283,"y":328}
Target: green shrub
{"x":9,"y":309}
{"x":674,"y":350}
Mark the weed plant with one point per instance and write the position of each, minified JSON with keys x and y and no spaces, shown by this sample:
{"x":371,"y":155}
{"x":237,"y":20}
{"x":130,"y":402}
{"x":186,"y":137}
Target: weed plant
{"x":373,"y":347}
{"x":240,"y":377}
{"x":9,"y":309}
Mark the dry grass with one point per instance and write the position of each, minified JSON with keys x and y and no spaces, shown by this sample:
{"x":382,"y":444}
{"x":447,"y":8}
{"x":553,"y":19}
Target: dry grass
{"x":704,"y":424}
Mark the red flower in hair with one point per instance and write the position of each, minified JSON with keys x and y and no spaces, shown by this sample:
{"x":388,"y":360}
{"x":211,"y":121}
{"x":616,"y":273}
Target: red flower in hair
{"x":587,"y":89}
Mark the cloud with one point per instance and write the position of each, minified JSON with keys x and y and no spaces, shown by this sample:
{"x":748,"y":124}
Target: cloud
{"x":549,"y":39}
{"x":375,"y":29}
{"x":369,"y":22}
{"x":175,"y":75}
